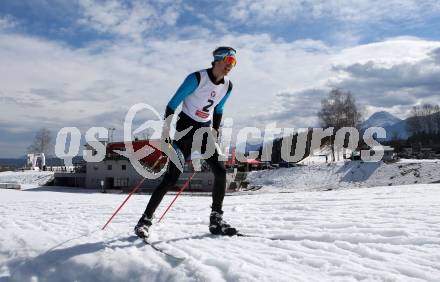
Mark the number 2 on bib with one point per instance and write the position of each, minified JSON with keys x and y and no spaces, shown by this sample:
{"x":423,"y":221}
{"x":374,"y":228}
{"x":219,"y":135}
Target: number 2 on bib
{"x":206,"y":108}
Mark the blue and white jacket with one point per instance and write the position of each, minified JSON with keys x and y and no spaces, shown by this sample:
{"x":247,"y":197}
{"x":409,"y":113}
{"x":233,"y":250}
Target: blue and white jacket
{"x":203,"y":99}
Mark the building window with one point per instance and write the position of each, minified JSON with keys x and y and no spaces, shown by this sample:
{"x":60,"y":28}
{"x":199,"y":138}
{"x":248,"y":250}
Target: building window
{"x":109,"y":167}
{"x":121,"y":182}
{"x":196,"y":184}
{"x":124,"y":167}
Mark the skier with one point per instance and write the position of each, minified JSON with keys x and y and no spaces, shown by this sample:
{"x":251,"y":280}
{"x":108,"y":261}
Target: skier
{"x":203,"y":94}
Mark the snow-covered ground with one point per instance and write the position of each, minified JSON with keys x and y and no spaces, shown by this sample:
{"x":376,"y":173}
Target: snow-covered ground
{"x":387,"y":233}
{"x":350,"y":174}
{"x":375,"y":234}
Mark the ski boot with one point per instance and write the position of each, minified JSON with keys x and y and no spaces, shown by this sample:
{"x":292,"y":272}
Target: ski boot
{"x":218,"y":226}
{"x":142,"y":227}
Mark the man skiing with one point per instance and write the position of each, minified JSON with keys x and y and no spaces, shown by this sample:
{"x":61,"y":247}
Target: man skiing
{"x":203,"y":94}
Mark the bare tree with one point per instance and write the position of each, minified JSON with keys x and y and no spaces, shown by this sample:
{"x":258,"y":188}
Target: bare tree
{"x":339,"y":110}
{"x":41,"y":143}
{"x":414,"y":124}
{"x":428,"y":111}
{"x":425,"y":118}
{"x":437,"y":118}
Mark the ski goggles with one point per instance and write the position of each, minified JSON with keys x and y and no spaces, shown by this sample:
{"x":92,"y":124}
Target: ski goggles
{"x":228,"y":56}
{"x":230,"y":60}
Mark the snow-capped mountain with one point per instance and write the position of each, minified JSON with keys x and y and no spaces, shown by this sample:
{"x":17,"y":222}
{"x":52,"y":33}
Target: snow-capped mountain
{"x":380,"y":119}
{"x":394,"y":126}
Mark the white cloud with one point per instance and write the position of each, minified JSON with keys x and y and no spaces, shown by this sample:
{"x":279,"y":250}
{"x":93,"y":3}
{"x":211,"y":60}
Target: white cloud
{"x":403,"y":84}
{"x":392,"y":75}
{"x":47,"y":83}
{"x":396,"y":73}
{"x":360,"y":11}
{"x":388,"y":52}
{"x":7,"y":22}
{"x":131,"y":19}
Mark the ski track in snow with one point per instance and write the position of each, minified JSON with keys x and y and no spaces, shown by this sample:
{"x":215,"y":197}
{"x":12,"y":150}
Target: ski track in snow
{"x":374,"y":234}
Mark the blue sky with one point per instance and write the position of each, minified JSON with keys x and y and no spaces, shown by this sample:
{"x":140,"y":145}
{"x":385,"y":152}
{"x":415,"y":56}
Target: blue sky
{"x":84,"y":63}
{"x":58,"y":20}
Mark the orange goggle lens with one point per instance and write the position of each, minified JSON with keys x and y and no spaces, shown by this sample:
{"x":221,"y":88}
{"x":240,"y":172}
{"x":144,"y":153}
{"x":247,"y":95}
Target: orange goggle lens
{"x":230,"y":60}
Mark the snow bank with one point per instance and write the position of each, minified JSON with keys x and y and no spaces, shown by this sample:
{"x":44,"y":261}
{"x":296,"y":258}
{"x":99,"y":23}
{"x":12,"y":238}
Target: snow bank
{"x":26,"y":177}
{"x":377,"y":234}
{"x":323,"y":176}
{"x":419,"y":161}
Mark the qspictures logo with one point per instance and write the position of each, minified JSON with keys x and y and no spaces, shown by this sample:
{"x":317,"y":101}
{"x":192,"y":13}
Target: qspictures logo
{"x":68,"y":142}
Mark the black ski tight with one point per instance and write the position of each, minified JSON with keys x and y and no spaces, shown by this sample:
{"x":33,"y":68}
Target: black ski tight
{"x":172,"y":174}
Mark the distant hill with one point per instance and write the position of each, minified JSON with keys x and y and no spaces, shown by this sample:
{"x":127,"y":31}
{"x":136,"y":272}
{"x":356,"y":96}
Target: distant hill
{"x":394,"y":126}
{"x":380,"y":119}
{"x":397,"y":130}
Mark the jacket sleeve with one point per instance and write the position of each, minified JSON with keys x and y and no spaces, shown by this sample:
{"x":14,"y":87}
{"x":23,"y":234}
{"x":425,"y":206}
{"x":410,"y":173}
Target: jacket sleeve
{"x":188,"y":86}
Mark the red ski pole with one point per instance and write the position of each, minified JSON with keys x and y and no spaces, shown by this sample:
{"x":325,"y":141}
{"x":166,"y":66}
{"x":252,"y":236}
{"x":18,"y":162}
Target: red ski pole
{"x":129,"y":195}
{"x":180,"y":191}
